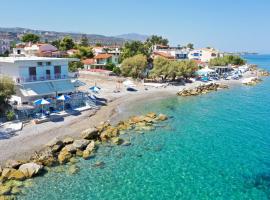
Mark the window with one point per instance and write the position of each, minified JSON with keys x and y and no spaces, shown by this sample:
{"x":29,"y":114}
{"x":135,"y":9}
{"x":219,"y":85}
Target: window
{"x":32,"y":73}
{"x":48,"y":63}
{"x":18,"y":51}
{"x":39,"y":63}
{"x":57,"y":71}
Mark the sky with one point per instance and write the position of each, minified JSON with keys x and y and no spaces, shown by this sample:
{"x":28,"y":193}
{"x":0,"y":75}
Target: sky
{"x":228,"y":25}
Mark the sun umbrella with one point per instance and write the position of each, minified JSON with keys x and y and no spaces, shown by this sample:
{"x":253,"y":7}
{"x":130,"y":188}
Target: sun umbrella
{"x":41,"y":102}
{"x":63,"y":98}
{"x":95,"y":89}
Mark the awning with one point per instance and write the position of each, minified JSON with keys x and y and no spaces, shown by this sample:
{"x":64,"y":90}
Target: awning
{"x":46,"y":88}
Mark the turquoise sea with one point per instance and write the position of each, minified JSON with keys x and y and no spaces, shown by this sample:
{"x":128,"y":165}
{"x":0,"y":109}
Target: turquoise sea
{"x":215,"y":146}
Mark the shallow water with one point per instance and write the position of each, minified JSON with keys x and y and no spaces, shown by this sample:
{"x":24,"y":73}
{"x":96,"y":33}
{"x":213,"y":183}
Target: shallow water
{"x":214,"y":146}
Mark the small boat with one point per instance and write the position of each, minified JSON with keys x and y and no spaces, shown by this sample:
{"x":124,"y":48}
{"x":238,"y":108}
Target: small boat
{"x":131,"y":89}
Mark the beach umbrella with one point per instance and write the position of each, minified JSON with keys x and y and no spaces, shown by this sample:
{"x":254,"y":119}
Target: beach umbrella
{"x":63,"y":98}
{"x":41,"y":102}
{"x":95,"y":89}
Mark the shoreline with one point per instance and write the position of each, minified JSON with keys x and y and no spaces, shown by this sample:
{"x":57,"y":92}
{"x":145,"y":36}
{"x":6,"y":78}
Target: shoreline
{"x":33,"y":138}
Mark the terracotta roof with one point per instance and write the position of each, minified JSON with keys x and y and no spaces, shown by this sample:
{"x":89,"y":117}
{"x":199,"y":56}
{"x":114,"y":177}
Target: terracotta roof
{"x":165,"y":55}
{"x":199,"y":62}
{"x":103,"y":56}
{"x":88,"y":61}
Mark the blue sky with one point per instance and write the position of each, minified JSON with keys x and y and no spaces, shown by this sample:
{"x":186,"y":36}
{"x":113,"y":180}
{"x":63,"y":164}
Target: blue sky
{"x":230,"y":25}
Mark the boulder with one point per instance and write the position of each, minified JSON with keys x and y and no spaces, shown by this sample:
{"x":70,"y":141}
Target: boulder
{"x":16,"y":175}
{"x":64,"y":156}
{"x":79,"y":153}
{"x":80,"y":144}
{"x":89,"y":134}
{"x":13,"y":164}
{"x":5,"y":190}
{"x":162,"y":117}
{"x":55,"y":141}
{"x":56,"y":148}
{"x":86,"y":154}
{"x":116,"y":140}
{"x":30,"y":169}
{"x":68,"y":140}
{"x":126,"y":143}
{"x":73,"y":169}
{"x":91,"y":146}
{"x":6,"y":172}
{"x":16,"y":190}
{"x":70,"y":148}
{"x":108,"y":133}
{"x":151,"y":115}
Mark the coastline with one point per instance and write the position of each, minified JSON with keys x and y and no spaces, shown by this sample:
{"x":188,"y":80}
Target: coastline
{"x":33,"y":138}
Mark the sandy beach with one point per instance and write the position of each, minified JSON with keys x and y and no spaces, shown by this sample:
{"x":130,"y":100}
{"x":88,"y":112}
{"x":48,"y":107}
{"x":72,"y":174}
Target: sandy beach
{"x":33,"y":138}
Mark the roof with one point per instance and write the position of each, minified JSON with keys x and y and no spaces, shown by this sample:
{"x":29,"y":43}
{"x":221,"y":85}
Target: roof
{"x":199,"y":62}
{"x":14,"y":59}
{"x":103,"y":56}
{"x":165,"y":55}
{"x":46,"y":88}
{"x":89,"y":61}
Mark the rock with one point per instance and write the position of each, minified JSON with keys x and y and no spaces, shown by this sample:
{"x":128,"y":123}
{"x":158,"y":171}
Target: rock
{"x":55,"y":141}
{"x":1,"y":169}
{"x":90,"y":134}
{"x":73,"y":160}
{"x":46,"y":157}
{"x":80,"y":144}
{"x":126,"y":143}
{"x":64,"y":156}
{"x":68,"y":140}
{"x":99,"y":164}
{"x":73,"y":169}
{"x":91,"y":146}
{"x":30,"y":169}
{"x":79,"y":153}
{"x":108,"y":133}
{"x":16,"y":190}
{"x":86,"y":154}
{"x":5,"y":190}
{"x":6,"y":172}
{"x":116,"y":140}
{"x":56,"y":148}
{"x":162,"y":117}
{"x":70,"y":148}
{"x":16,"y":175}
{"x":151,"y":115}
{"x":13,"y":164}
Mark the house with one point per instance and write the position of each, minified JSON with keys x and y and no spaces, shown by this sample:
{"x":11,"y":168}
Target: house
{"x":72,"y":52}
{"x":87,"y":63}
{"x":170,"y":52}
{"x":4,"y":46}
{"x":163,"y":55}
{"x":209,"y":53}
{"x":37,"y":77}
{"x":195,"y":54}
{"x":39,"y":49}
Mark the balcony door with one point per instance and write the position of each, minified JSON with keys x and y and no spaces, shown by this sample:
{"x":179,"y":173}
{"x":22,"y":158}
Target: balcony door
{"x":32,"y":73}
{"x":57,"y":72}
{"x":48,"y":74}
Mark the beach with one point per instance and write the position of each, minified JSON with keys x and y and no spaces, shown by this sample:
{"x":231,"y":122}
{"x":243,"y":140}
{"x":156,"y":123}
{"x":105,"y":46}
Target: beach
{"x":33,"y":138}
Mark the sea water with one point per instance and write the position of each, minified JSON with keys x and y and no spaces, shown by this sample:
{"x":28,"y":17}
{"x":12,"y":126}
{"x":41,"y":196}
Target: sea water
{"x":215,"y":146}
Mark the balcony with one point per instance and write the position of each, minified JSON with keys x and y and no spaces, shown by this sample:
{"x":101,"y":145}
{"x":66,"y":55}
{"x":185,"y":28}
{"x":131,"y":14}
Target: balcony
{"x":41,"y":78}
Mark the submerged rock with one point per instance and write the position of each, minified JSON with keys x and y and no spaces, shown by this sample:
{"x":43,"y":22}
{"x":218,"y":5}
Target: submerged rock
{"x":73,"y":169}
{"x":86,"y":154}
{"x":116,"y":140}
{"x":5,"y":190}
{"x":99,"y":164}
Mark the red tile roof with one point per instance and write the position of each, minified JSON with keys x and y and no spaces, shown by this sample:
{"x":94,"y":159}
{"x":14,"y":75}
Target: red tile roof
{"x":103,"y":56}
{"x":88,"y":61}
{"x":165,"y":55}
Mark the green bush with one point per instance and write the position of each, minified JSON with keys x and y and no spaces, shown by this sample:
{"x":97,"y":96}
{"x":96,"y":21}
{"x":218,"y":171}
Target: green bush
{"x":10,"y":115}
{"x":117,"y":71}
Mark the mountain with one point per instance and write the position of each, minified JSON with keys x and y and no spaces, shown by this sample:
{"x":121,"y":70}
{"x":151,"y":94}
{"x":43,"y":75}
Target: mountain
{"x":133,"y":36}
{"x":16,"y":32}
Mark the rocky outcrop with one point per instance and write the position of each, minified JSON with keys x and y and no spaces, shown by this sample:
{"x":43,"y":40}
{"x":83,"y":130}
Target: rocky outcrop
{"x":263,"y":73}
{"x":90,"y":134}
{"x":202,"y":89}
{"x":80,"y":143}
{"x":252,"y":81}
{"x":64,"y":156}
{"x":30,"y":169}
{"x":68,"y":140}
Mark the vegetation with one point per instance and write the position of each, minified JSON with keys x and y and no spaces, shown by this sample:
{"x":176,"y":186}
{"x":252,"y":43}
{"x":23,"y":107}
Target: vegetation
{"x":190,"y":46}
{"x":110,"y":66}
{"x":10,"y":115}
{"x":134,"y":66}
{"x":116,"y":70}
{"x":156,"y":40}
{"x":66,"y":44}
{"x":5,"y":54}
{"x":56,"y":43}
{"x":75,"y":66}
{"x":7,"y":89}
{"x":226,"y":60}
{"x":30,"y":37}
{"x":133,"y":48}
{"x":84,"y":41}
{"x":84,"y":52}
{"x":171,"y":69}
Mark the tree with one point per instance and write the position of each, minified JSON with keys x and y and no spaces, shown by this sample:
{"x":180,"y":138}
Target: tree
{"x":161,"y":68}
{"x":133,"y":48}
{"x":67,"y":43}
{"x":189,"y":67}
{"x":157,"y":40}
{"x":134,"y":66}
{"x":30,"y":37}
{"x":84,"y":53}
{"x":75,"y":66}
{"x":227,"y":60}
{"x":190,"y":46}
{"x":110,"y":66}
{"x":7,"y":89}
{"x":56,"y":43}
{"x":117,"y":70}
{"x":98,"y":44}
{"x":84,"y":41}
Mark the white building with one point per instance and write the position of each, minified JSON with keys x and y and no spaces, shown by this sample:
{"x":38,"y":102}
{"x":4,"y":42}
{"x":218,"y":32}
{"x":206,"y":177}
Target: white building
{"x":195,"y":54}
{"x":204,"y":54}
{"x":37,"y":77}
{"x":175,"y":52}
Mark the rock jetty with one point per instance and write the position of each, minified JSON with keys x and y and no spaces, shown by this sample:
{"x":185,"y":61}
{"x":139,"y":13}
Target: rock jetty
{"x":14,"y":175}
{"x":202,"y":89}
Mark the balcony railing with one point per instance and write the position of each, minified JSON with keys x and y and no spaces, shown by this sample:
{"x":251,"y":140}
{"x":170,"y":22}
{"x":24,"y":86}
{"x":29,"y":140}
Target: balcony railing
{"x":41,"y":78}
